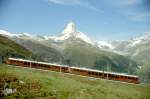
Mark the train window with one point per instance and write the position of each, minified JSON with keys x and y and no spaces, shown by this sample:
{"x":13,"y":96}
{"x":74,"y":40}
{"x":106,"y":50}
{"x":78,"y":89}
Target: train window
{"x":109,"y":75}
{"x":81,"y":70}
{"x":100,"y":74}
{"x":112,"y":76}
{"x":96,"y":73}
{"x":45,"y":65}
{"x":40,"y":65}
{"x":132,"y":78}
{"x":136,"y":78}
{"x":33,"y":64}
{"x":26,"y":63}
{"x":89,"y":72}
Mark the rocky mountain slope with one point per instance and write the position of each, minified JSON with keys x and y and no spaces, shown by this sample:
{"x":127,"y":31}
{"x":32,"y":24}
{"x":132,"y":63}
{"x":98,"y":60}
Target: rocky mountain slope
{"x":137,"y":48}
{"x":47,"y":53}
{"x":9,"y":48}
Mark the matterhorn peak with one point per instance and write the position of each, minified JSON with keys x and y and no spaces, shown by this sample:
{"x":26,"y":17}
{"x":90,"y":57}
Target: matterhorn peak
{"x":70,"y":32}
{"x":70,"y":28}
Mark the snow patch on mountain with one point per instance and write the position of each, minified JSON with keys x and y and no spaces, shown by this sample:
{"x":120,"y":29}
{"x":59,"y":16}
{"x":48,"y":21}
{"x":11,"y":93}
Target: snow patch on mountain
{"x":5,"y":33}
{"x":104,"y":44}
{"x":146,"y":36}
{"x":134,"y":43}
{"x":23,"y":35}
{"x":140,"y":39}
{"x":70,"y":28}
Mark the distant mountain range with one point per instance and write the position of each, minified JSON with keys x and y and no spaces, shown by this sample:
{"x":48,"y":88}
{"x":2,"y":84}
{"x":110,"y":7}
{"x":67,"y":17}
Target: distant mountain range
{"x":137,"y":48}
{"x":74,"y":48}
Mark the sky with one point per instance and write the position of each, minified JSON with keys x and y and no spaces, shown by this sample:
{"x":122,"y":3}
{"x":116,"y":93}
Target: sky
{"x":98,"y":19}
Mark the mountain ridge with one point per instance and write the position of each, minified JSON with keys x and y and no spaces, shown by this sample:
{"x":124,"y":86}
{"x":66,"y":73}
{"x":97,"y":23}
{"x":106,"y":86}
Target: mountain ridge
{"x":75,"y":49}
{"x":127,"y":47}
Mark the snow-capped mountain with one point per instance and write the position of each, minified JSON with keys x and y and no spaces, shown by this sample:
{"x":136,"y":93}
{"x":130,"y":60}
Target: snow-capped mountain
{"x":13,"y":35}
{"x":5,"y":33}
{"x":70,"y":31}
{"x":105,"y":45}
{"x":137,"y":48}
{"x":139,"y":40}
{"x":134,"y":42}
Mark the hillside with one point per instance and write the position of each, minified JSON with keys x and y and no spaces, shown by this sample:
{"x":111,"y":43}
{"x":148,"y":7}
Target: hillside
{"x":12,"y":49}
{"x":46,"y":52}
{"x":84,"y":55}
{"x":31,"y":83}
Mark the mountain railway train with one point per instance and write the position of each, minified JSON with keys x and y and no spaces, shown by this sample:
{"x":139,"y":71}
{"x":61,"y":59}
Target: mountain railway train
{"x":74,"y":70}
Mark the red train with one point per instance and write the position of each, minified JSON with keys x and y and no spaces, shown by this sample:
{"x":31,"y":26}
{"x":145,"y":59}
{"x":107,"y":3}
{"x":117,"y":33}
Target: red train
{"x":74,"y":70}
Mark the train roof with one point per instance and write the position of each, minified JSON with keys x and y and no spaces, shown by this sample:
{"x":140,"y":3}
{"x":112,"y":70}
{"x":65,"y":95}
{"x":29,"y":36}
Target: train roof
{"x":81,"y":68}
{"x":46,"y":63}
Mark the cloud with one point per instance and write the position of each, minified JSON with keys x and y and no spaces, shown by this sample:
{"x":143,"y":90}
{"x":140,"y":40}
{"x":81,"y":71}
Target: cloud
{"x":66,"y":2}
{"x":130,"y":2}
{"x":75,"y":2}
{"x":142,"y":16}
{"x":126,"y":2}
{"x":132,"y":9}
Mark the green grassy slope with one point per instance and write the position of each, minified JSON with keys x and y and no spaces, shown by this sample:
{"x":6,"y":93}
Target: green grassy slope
{"x":10,"y":48}
{"x":52,"y":85}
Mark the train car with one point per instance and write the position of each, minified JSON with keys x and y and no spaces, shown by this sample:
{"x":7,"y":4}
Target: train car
{"x":105,"y":75}
{"x":38,"y":65}
{"x":74,"y":70}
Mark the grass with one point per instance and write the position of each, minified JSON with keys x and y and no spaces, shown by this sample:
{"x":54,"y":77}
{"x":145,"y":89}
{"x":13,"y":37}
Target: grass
{"x":53,"y":85}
